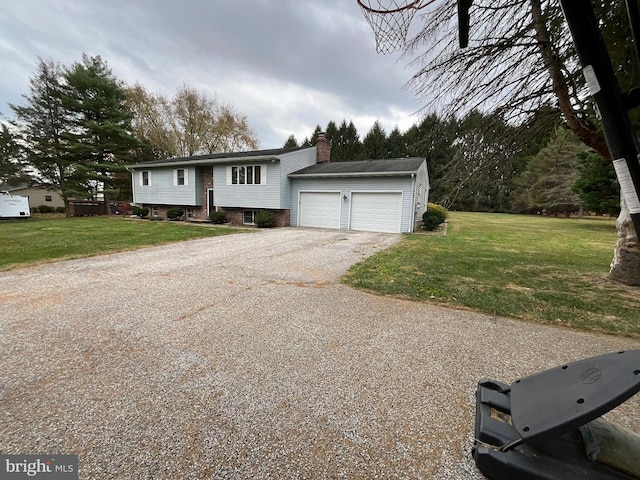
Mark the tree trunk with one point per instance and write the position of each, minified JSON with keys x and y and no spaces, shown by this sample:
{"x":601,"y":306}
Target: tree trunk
{"x":625,"y":266}
{"x":612,"y":445}
{"x":67,"y":207}
{"x":586,"y":131}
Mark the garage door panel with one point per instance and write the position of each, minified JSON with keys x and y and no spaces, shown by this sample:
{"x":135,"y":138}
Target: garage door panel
{"x":319,"y":209}
{"x":376,"y":211}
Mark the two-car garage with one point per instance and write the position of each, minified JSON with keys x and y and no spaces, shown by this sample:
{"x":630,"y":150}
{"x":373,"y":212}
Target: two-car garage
{"x":373,"y":195}
{"x":368,"y":211}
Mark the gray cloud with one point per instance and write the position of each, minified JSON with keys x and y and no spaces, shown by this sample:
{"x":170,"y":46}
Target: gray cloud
{"x":288,"y":65}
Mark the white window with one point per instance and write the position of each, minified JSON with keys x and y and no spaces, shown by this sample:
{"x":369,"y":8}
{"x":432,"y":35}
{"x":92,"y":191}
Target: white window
{"x":180,"y":177}
{"x":190,"y":212}
{"x":145,"y":178}
{"x":249,"y":217}
{"x":48,"y":198}
{"x":247,"y":175}
{"x":154,"y":211}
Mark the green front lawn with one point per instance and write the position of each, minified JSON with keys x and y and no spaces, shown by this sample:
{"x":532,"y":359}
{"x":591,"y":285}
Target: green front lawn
{"x":37,"y":240}
{"x":551,"y":270}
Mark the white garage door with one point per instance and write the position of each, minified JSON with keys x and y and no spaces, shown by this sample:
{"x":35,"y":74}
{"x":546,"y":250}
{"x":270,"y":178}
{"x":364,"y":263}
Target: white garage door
{"x":376,"y":211}
{"x":319,"y":209}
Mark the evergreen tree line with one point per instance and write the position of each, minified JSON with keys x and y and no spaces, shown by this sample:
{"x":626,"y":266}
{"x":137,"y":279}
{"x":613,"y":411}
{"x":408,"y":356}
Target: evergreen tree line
{"x":480,"y":162}
{"x":79,"y":127}
{"x":73,"y":133}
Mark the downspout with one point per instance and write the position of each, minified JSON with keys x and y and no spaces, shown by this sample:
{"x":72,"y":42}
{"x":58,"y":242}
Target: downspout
{"x":133,"y":184}
{"x":413,"y":202}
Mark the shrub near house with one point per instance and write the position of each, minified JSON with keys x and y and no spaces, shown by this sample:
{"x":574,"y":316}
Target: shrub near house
{"x":174,"y":213}
{"x":141,"y":212}
{"x":433,"y":217}
{"x":264,"y":219}
{"x":218,"y":217}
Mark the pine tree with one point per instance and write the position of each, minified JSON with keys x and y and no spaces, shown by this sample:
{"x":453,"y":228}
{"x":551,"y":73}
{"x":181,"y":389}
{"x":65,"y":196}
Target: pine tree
{"x":12,"y":168}
{"x":396,"y":145}
{"x":351,"y":143}
{"x":546,"y":183}
{"x":597,"y":184}
{"x":374,"y":144}
{"x":42,"y":122}
{"x":291,"y":142}
{"x":100,"y":142}
{"x":331,"y":133}
{"x":314,"y":136}
{"x":339,"y":143}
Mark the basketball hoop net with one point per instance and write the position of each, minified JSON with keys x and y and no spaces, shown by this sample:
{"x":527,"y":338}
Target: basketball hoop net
{"x":390,"y":20}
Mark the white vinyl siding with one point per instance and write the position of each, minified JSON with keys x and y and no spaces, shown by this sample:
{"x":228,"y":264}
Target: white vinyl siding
{"x":290,"y":162}
{"x":164,"y":191}
{"x":263,"y":195}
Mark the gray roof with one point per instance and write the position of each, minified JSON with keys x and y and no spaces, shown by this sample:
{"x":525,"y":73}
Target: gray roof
{"x":386,"y":167}
{"x":212,"y":158}
{"x":6,"y":187}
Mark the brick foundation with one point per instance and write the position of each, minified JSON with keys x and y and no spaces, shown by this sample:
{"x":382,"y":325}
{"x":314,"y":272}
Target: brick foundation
{"x":281,"y":218}
{"x":199,"y":213}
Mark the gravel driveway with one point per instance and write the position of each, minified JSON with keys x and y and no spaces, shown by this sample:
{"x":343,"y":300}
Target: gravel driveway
{"x":244,"y":357}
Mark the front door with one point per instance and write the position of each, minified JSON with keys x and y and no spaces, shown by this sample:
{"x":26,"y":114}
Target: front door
{"x":210,"y":203}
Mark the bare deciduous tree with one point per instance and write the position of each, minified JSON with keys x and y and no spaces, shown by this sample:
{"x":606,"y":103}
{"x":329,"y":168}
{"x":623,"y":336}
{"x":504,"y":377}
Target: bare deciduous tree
{"x":520,"y":59}
{"x":190,"y":123}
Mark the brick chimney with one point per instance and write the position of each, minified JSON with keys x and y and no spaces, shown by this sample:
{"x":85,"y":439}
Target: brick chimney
{"x":323,"y":152}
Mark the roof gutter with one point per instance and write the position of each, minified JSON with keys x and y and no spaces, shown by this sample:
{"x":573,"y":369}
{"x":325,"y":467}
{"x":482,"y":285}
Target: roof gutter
{"x":202,"y":161}
{"x":352,"y":174}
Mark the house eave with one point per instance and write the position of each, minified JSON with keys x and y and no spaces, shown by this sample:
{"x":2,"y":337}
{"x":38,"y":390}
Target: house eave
{"x":353,"y":174}
{"x":204,"y":161}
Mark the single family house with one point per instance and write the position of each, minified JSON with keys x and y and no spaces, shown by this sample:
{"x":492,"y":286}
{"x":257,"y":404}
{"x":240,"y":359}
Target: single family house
{"x":38,"y":195}
{"x":300,"y":186}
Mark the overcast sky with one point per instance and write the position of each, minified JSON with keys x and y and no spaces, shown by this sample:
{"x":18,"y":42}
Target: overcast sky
{"x":288,"y":65}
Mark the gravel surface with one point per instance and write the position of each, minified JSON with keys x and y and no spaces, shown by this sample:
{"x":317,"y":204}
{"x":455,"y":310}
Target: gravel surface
{"x":244,"y":357}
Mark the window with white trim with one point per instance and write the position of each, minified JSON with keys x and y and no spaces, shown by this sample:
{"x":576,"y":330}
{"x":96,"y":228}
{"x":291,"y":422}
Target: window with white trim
{"x":180,"y":177}
{"x":247,"y":175}
{"x":145,"y":178}
{"x":249,"y":217}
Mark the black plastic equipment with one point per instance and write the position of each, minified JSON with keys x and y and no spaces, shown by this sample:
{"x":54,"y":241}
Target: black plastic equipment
{"x":529,"y":430}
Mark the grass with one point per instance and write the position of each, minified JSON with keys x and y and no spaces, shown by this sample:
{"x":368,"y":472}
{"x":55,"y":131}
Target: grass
{"x":39,"y":240}
{"x":539,"y":269}
{"x":550,"y":270}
